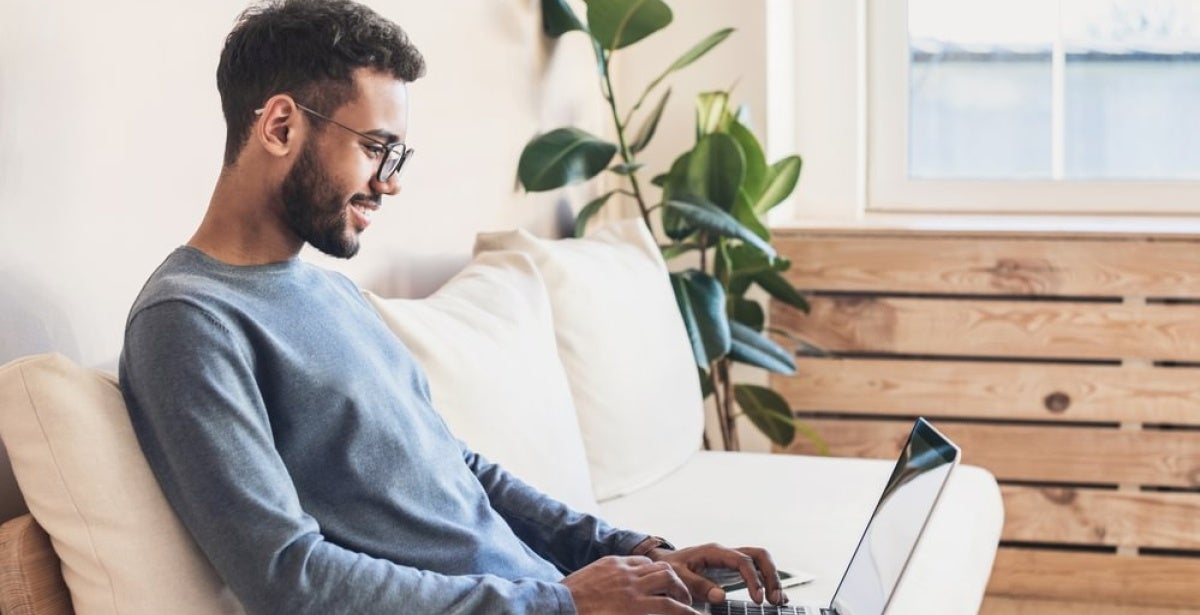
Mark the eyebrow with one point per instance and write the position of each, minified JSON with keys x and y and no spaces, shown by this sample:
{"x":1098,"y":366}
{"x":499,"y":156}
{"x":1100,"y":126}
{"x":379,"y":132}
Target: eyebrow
{"x":389,"y":137}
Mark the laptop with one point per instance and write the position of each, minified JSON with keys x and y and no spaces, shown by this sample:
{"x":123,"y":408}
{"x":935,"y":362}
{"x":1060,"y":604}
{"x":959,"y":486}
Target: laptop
{"x":887,"y":544}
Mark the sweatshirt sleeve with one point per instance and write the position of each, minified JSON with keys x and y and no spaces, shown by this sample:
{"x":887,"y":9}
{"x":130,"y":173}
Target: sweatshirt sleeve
{"x":189,"y":384}
{"x":567,"y":538}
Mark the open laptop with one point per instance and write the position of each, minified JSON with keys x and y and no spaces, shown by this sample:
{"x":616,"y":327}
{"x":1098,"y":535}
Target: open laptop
{"x":887,"y":544}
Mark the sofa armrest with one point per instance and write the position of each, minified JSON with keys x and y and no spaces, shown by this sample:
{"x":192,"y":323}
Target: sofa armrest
{"x":31,"y":581}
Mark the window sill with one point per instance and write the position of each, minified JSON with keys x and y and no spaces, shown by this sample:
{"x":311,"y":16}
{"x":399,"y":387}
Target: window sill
{"x":1100,"y":225}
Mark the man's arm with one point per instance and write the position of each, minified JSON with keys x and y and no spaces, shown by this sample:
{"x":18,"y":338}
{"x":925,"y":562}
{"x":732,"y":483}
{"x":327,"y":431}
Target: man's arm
{"x":201,"y":421}
{"x":577,"y":542}
{"x":567,"y":538}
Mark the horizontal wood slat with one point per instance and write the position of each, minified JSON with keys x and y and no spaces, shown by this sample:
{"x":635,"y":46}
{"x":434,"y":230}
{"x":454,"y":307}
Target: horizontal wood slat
{"x":1005,"y":605}
{"x":992,"y":265}
{"x":1097,"y":517}
{"x":1020,"y":391}
{"x":1035,"y":454}
{"x":1156,"y":581}
{"x":998,"y":328}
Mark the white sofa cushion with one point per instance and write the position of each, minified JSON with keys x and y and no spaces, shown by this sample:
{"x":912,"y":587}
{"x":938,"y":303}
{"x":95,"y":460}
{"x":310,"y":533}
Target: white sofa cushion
{"x":86,"y":482}
{"x":625,"y":350}
{"x":486,"y":343}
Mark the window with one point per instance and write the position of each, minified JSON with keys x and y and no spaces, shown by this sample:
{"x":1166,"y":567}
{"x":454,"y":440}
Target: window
{"x":1035,"y":106}
{"x":1091,"y":91}
{"x":903,"y":108}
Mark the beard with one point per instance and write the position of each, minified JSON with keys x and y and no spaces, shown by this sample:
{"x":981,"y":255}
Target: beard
{"x":313,"y":208}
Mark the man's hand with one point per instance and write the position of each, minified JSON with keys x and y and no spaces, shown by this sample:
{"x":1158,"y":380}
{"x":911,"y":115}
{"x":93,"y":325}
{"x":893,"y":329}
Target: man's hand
{"x":754,"y":564}
{"x":629,"y":586}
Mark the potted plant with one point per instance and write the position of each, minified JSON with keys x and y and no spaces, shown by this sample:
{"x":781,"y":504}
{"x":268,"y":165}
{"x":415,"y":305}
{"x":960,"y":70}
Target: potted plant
{"x":710,"y":206}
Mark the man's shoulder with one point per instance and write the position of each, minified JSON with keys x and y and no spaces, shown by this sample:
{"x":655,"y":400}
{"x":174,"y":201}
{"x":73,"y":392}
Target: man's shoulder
{"x":188,"y":277}
{"x":181,"y":277}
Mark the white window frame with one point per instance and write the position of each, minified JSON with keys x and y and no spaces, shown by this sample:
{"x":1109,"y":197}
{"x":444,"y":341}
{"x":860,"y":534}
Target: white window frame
{"x":838,"y":94}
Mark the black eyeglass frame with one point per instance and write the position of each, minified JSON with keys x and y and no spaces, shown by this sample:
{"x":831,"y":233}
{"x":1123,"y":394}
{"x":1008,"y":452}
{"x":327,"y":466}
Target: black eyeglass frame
{"x":397,"y":153}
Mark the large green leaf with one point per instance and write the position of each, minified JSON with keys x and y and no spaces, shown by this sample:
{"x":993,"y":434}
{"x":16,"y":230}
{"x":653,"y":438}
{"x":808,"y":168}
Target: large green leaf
{"x":781,"y":180}
{"x":712,"y":113}
{"x":691,"y":55}
{"x":804,"y":347}
{"x":698,"y":50}
{"x":711,"y":218}
{"x":558,"y":18}
{"x":619,"y":23}
{"x":756,"y":162}
{"x":749,"y":261}
{"x":778,"y":287}
{"x":589,"y":210}
{"x":646,"y":132}
{"x":562,"y":156}
{"x":768,"y":410}
{"x":744,"y":212}
{"x":748,"y":312}
{"x":701,"y":302}
{"x":716,"y":169}
{"x":753,"y":348}
{"x":674,"y":185}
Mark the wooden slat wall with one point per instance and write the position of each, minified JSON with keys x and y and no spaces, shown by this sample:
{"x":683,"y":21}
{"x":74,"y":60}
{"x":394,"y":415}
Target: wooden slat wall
{"x":1067,"y":365}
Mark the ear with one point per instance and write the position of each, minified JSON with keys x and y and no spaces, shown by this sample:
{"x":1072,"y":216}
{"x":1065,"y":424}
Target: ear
{"x":278,"y":128}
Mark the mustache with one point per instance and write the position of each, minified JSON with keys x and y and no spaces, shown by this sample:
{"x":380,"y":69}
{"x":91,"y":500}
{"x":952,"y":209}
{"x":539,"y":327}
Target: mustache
{"x":375,"y":200}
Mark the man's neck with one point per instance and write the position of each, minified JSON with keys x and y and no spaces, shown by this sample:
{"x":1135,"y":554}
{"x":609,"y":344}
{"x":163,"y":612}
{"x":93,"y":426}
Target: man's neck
{"x":244,"y":225}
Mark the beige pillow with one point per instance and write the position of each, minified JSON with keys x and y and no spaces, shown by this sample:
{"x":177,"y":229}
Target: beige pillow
{"x":486,"y":343}
{"x":625,"y":350}
{"x":86,"y":482}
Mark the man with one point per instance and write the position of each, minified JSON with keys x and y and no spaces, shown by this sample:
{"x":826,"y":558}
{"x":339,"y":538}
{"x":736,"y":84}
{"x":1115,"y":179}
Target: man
{"x":290,"y":431}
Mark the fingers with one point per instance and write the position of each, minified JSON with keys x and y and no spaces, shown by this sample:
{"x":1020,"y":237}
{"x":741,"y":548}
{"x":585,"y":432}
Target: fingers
{"x":702,"y":586}
{"x":745,"y":566}
{"x":753,"y":564}
{"x":629,"y":585}
{"x":770,"y":573}
{"x":660,"y":578}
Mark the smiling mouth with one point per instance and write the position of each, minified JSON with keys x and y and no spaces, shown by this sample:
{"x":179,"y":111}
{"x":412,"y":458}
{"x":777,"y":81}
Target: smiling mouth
{"x":364,"y":208}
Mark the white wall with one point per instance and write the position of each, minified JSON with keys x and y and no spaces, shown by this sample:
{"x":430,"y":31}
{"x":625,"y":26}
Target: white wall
{"x":111,"y":137}
{"x":739,"y":60}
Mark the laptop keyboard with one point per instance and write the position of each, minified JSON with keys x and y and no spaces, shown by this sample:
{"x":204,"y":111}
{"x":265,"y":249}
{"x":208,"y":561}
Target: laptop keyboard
{"x":749,"y":608}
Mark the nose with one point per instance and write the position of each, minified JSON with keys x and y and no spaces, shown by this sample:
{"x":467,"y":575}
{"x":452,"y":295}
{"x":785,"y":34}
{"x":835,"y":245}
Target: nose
{"x":390,"y":187}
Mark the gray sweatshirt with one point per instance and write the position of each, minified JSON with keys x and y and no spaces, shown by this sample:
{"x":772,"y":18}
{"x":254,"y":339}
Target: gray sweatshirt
{"x":294,"y":436}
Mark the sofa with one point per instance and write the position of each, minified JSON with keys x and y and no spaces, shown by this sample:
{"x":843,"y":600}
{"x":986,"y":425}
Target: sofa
{"x":564,"y":360}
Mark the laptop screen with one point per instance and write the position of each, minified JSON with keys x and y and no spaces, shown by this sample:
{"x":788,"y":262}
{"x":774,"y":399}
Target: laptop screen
{"x":899,"y":517}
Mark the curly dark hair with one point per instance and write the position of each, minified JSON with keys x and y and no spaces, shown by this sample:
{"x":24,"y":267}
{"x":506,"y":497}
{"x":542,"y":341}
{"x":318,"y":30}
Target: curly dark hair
{"x":309,"y":49}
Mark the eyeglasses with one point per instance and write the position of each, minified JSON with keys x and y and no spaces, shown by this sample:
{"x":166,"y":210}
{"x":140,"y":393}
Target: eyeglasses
{"x":395,"y":154}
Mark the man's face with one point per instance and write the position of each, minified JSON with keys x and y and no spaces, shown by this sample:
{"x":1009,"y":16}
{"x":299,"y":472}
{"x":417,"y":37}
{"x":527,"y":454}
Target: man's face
{"x":331,"y":190}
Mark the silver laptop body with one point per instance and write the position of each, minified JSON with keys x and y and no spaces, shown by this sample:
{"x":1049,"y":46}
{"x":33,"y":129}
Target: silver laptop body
{"x":891,"y":535}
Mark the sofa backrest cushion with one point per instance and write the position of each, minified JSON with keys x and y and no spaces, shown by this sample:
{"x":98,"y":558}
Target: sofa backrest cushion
{"x":486,"y":343}
{"x":625,"y":350}
{"x":86,"y":482}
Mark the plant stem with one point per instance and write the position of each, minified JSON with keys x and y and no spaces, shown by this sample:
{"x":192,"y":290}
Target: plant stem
{"x":730,"y":417}
{"x":626,"y":155}
{"x":718,"y":399}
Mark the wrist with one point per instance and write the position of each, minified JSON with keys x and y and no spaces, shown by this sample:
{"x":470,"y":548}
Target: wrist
{"x":653,"y":547}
